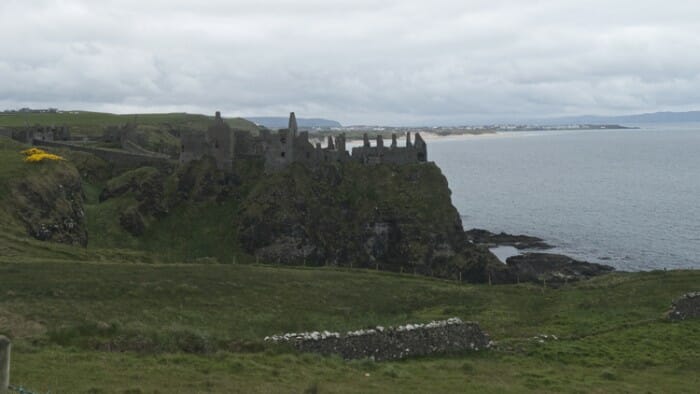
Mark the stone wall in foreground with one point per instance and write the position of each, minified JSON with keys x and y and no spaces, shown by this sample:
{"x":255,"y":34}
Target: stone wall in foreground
{"x":686,"y":307}
{"x":437,"y":337}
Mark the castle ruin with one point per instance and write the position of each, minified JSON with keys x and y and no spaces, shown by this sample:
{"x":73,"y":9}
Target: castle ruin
{"x":29,"y":134}
{"x":286,"y":146}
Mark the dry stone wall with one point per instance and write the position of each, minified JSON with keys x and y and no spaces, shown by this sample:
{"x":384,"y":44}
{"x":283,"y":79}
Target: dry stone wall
{"x":393,"y":343}
{"x":686,"y":307}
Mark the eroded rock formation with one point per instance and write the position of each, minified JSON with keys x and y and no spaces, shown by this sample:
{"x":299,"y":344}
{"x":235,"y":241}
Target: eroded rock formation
{"x":49,"y":202}
{"x":392,"y":218}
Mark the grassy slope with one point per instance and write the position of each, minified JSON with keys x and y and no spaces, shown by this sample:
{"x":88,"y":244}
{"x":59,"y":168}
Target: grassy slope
{"x":13,"y":240}
{"x":167,"y":238}
{"x":612,"y":334}
{"x":91,"y":123}
{"x":53,"y":298}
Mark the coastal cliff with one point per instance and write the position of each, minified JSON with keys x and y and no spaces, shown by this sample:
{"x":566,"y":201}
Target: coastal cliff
{"x":387,"y":217}
{"x":43,"y":198}
{"x":395,"y":218}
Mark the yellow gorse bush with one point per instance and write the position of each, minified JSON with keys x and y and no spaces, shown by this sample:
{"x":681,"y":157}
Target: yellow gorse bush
{"x":32,"y":151}
{"x":36,"y":155}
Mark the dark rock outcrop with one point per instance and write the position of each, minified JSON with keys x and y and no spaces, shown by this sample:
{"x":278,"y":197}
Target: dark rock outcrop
{"x":146,"y":186}
{"x":395,"y":218}
{"x":551,"y":268}
{"x":132,"y":221}
{"x":686,"y":307}
{"x":489,"y":239}
{"x":49,"y":202}
{"x":200,"y":181}
{"x":449,"y":336}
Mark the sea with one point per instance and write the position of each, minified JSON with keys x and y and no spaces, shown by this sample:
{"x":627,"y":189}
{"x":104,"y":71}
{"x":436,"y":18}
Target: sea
{"x":629,"y":198}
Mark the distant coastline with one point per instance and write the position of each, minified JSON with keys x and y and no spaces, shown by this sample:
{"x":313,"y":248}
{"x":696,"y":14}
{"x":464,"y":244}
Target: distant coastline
{"x":356,"y":133}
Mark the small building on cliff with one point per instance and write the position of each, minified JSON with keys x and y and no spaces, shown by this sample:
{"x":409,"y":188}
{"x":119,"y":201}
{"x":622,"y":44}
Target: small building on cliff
{"x":286,"y":146}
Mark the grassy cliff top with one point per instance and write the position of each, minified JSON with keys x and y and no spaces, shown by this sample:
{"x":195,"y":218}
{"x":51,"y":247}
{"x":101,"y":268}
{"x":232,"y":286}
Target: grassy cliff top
{"x":91,"y":123}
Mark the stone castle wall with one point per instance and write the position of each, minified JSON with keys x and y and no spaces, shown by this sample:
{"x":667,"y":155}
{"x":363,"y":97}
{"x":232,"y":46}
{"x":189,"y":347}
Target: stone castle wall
{"x":121,"y":160}
{"x":686,"y":307}
{"x":438,"y":337}
{"x":392,"y":154}
{"x":287,"y":146}
{"x":43,"y":133}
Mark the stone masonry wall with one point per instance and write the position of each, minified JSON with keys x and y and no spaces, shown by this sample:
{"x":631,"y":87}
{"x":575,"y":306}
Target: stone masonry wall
{"x":437,"y":337}
{"x":121,"y":160}
{"x":686,"y":307}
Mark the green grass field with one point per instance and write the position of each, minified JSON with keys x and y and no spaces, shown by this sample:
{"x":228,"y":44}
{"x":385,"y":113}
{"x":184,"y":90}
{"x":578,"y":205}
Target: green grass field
{"x":92,"y":123}
{"x":199,"y":328}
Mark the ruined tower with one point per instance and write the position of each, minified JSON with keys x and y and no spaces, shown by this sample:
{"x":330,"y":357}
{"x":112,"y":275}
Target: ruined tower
{"x":293,"y":129}
{"x":218,"y":142}
{"x":221,"y":142}
{"x":287,"y":146}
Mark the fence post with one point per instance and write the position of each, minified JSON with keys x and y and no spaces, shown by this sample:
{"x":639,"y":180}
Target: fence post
{"x":5,"y":347}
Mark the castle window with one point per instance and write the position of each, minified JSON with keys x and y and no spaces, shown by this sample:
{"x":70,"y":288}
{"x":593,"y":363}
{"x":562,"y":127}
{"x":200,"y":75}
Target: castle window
{"x":283,"y":140}
{"x":182,"y":148}
{"x":282,"y":154}
{"x":216,"y":144}
{"x":308,"y":155}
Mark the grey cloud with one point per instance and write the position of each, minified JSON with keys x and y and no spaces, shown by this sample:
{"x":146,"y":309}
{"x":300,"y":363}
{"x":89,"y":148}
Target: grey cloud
{"x":398,"y":62}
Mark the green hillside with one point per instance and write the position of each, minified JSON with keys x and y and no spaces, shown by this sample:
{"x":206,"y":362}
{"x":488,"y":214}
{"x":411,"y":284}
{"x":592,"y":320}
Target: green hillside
{"x":87,"y":327}
{"x":183,"y":308}
{"x":92,"y":123}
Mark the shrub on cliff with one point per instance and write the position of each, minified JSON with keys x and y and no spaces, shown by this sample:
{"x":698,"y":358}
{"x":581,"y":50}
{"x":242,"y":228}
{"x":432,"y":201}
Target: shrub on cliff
{"x":36,"y":155}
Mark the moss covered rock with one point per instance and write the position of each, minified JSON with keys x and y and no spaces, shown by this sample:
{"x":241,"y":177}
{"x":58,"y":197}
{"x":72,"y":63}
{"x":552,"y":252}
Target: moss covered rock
{"x":48,"y":201}
{"x":396,"y":218}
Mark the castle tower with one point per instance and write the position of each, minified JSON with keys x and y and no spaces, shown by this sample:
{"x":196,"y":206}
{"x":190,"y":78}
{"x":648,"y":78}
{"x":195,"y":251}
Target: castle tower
{"x":292,"y":124}
{"x":340,"y":142}
{"x":408,"y":139}
{"x":393,"y":141}
{"x":331,"y":145}
{"x":365,"y":140}
{"x":221,"y":141}
{"x":380,"y":141}
{"x":421,"y":148}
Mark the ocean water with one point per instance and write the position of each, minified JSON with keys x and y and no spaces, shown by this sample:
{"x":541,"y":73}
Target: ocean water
{"x":627,"y":198}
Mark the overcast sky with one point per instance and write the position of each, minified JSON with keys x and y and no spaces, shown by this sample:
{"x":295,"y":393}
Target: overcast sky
{"x":358,"y":61}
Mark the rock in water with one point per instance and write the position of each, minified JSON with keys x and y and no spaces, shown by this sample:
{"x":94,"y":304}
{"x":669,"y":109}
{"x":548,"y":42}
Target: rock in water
{"x":551,"y":268}
{"x":489,"y":239}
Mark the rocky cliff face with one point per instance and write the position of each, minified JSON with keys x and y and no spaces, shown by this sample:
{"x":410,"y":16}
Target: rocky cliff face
{"x":392,"y":218}
{"x":396,"y":218}
{"x":146,"y":185}
{"x":49,"y":202}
